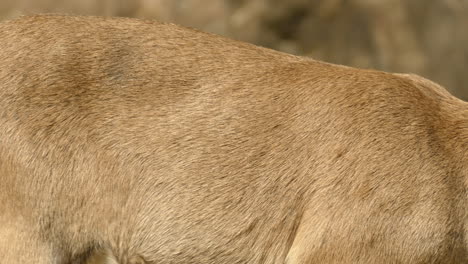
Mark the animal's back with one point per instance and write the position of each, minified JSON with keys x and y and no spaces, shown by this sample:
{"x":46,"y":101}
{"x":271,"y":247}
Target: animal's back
{"x":177,"y":146}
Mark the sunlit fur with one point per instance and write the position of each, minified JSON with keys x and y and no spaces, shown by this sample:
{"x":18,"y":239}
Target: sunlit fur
{"x":129,"y":141}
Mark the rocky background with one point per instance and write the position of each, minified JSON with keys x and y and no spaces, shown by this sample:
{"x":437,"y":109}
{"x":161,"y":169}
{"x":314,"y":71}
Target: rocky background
{"x":427,"y":37}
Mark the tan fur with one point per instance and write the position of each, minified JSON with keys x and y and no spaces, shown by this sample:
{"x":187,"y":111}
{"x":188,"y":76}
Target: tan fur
{"x":132,"y":141}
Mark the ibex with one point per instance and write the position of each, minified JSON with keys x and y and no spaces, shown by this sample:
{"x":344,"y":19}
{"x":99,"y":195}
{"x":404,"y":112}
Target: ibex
{"x":131,"y":141}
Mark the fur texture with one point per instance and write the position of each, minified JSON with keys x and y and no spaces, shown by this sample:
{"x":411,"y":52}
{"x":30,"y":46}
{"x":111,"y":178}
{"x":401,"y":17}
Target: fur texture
{"x":129,"y":141}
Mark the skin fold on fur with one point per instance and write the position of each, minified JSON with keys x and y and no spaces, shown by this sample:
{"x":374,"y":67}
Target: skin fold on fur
{"x":130,"y":141}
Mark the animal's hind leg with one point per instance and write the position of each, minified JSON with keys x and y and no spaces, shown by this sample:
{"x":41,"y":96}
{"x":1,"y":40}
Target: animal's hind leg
{"x":103,"y":256}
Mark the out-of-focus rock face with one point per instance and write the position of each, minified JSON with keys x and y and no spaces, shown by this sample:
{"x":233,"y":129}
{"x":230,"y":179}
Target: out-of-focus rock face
{"x":427,"y":37}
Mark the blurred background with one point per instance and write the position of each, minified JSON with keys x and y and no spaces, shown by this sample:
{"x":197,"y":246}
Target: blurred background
{"x":427,"y":37}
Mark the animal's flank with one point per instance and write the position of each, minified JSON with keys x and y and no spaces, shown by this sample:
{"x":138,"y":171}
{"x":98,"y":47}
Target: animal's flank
{"x":152,"y":143}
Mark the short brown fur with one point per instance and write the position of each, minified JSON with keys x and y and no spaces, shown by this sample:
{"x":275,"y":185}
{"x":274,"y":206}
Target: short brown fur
{"x":129,"y":141}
